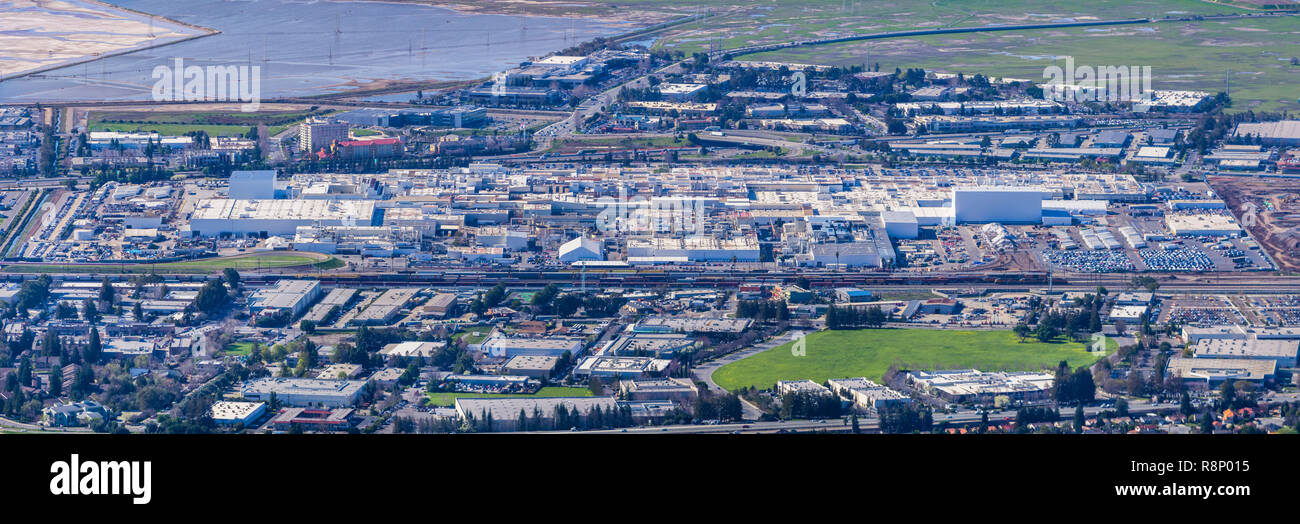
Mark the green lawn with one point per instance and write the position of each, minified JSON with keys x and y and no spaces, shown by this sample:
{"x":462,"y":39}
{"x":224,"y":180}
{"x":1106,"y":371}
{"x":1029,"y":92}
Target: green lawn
{"x":214,"y":123}
{"x":448,"y":399}
{"x":870,"y":352}
{"x":1191,"y":55}
{"x":239,"y":349}
{"x":599,"y":143}
{"x":470,"y":337}
{"x":207,"y":265}
{"x":178,"y":129}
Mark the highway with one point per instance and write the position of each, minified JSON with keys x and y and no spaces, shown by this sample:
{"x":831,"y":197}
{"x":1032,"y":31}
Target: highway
{"x":865,"y":424}
{"x":1244,"y":282}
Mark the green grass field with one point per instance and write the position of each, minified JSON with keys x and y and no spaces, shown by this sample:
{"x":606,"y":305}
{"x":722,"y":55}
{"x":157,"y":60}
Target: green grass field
{"x":239,"y":349}
{"x":1187,"y":55}
{"x":178,"y":129}
{"x":214,"y":123}
{"x":207,"y":265}
{"x":598,"y":144}
{"x":870,"y":352}
{"x":814,"y":19}
{"x":448,"y":399}
{"x":470,"y":337}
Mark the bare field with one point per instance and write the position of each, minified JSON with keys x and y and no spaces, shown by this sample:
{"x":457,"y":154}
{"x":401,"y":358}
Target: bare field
{"x":1277,"y":205}
{"x":38,"y":35}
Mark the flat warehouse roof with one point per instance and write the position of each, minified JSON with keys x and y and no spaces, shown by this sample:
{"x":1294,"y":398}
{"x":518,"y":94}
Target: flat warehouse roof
{"x":227,"y":209}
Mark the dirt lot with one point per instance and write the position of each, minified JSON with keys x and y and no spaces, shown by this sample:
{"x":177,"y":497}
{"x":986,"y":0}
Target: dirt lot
{"x":1276,"y":203}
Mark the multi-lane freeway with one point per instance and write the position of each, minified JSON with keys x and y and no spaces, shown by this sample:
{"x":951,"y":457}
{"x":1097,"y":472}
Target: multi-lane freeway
{"x":966,"y":417}
{"x":1242,"y":282}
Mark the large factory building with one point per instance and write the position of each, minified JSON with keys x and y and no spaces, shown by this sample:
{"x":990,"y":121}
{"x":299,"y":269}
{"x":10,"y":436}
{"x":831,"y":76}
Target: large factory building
{"x":1003,"y":204}
{"x":216,"y":216}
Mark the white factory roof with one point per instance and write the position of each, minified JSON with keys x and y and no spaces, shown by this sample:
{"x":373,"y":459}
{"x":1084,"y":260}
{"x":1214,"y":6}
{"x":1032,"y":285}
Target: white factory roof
{"x":1252,"y":347}
{"x":229,"y":410}
{"x":227,"y":209}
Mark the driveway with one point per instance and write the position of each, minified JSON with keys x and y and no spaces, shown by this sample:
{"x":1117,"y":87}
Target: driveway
{"x":704,"y":372}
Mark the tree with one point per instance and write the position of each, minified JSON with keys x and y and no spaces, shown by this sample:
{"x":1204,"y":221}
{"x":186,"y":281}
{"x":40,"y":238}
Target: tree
{"x":1228,"y":394}
{"x":306,"y":358}
{"x":1079,"y":419}
{"x":231,"y":277}
{"x":106,"y":292}
{"x":495,"y":295}
{"x":65,"y":311}
{"x":84,"y":380}
{"x":307,"y":326}
{"x":94,"y":348}
{"x":33,"y":293}
{"x":596,"y":387}
{"x":1046,"y":332}
{"x":729,"y":407}
{"x":212,"y":297}
{"x":25,"y":372}
{"x":1136,"y":384}
{"x":1022,"y":330}
{"x":51,"y":345}
{"x":89,"y":311}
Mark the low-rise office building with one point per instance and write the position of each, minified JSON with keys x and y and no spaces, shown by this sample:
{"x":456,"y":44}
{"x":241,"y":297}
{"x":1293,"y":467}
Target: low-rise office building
{"x":505,"y":346}
{"x":303,"y":392}
{"x":229,"y":413}
{"x":786,"y":387}
{"x":620,"y":367}
{"x":967,"y":385}
{"x":866,"y":394}
{"x":1211,"y":372}
{"x":671,"y":389}
{"x":1280,"y":350}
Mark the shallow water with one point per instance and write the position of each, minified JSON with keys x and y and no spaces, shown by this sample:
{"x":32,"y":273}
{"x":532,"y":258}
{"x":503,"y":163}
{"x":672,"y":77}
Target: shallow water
{"x":306,"y":47}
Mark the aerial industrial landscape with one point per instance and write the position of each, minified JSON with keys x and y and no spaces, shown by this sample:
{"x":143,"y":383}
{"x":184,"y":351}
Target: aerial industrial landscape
{"x":649,"y":217}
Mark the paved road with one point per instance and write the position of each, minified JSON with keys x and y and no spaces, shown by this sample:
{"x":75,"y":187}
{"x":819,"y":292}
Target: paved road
{"x":867,"y":424}
{"x":595,"y":104}
{"x":9,"y":424}
{"x":704,"y":372}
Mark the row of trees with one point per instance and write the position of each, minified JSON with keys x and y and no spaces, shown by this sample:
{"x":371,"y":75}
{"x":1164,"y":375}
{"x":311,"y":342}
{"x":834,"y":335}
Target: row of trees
{"x":724,"y":407}
{"x":851,"y":317}
{"x":800,"y":404}
{"x":763,"y":310}
{"x":562,"y":417}
{"x":906,"y":418}
{"x":1073,"y":387}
